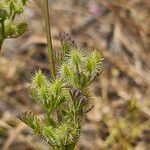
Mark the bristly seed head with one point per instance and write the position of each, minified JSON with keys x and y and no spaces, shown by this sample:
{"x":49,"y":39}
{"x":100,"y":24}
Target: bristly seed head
{"x":67,"y":95}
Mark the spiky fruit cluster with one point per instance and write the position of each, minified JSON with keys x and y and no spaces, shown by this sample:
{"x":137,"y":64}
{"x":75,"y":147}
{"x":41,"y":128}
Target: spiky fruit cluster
{"x":66,"y":95}
{"x":9,"y":9}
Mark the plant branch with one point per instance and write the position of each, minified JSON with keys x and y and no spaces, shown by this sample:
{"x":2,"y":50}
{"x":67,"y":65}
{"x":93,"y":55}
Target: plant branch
{"x":0,"y":46}
{"x":3,"y":30}
{"x":1,"y":43}
{"x":49,"y":38}
{"x":2,"y":34}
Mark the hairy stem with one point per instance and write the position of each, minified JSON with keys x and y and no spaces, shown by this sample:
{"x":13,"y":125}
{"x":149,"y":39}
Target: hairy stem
{"x":49,"y":38}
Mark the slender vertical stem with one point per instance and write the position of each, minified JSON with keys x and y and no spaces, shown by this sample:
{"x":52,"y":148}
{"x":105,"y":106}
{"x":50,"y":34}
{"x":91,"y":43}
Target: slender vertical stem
{"x":1,"y":43}
{"x":0,"y":46}
{"x":48,"y":118}
{"x":49,"y":43}
{"x":2,"y":34}
{"x":3,"y":30}
{"x":49,"y":38}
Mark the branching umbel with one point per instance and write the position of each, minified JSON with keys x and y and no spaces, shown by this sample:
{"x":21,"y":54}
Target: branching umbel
{"x":66,"y":94}
{"x":9,"y":9}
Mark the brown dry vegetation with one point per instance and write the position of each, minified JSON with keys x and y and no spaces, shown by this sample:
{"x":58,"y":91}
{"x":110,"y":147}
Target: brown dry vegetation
{"x":120,"y":30}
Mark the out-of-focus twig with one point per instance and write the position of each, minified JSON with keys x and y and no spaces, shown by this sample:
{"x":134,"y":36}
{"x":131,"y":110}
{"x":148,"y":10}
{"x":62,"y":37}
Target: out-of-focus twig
{"x":139,"y":77}
{"x":89,"y":21}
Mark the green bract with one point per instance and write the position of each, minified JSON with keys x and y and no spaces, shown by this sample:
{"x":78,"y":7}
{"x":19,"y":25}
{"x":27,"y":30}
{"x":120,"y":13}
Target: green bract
{"x":66,"y":95}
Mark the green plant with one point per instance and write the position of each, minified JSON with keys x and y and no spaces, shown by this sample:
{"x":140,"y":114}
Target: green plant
{"x":9,"y":9}
{"x":64,"y":96}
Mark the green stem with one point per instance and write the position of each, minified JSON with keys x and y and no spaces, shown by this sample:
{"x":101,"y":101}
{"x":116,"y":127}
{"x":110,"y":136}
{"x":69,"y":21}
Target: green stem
{"x":49,"y":42}
{"x":3,"y":30}
{"x":49,"y":38}
{"x":74,"y":108}
{"x":2,"y":34}
{"x":65,"y":147}
{"x":1,"y":43}
{"x":70,"y":147}
{"x":49,"y":120}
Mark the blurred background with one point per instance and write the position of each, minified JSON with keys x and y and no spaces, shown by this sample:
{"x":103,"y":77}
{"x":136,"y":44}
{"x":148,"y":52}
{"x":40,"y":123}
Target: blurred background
{"x":120,"y":30}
